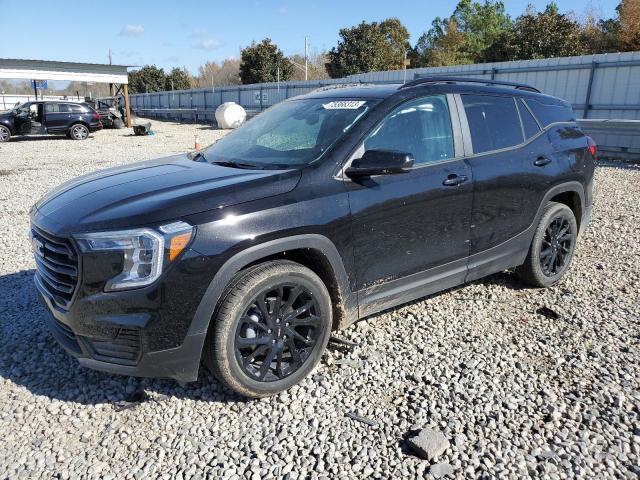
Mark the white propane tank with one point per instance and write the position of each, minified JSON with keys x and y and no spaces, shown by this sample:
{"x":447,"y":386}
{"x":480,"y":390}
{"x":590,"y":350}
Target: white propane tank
{"x":230,"y":115}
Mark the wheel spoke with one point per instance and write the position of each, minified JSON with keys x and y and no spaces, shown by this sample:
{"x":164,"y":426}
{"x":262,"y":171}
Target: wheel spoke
{"x":545,"y":253}
{"x":299,"y":311}
{"x":266,"y":364}
{"x":279,"y":364}
{"x":295,"y":355}
{"x":244,"y":342}
{"x":293,"y":333}
{"x":261,"y":303}
{"x":293,"y":296}
{"x":311,"y":320}
{"x":258,"y":351}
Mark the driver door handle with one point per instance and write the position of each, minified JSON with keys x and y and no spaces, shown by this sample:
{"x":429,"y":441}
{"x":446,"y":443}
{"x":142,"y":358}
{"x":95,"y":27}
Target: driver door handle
{"x":454,"y":180}
{"x":542,"y":161}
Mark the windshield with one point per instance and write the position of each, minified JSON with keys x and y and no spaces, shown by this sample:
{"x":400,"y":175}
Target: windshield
{"x":289,"y":134}
{"x":23,"y":107}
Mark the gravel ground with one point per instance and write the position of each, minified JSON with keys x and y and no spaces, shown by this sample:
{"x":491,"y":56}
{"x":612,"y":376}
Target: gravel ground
{"x":521,"y":382}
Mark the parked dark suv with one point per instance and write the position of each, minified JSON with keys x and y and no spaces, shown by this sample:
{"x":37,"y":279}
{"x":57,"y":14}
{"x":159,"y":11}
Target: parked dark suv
{"x":326,"y":208}
{"x":76,"y":120}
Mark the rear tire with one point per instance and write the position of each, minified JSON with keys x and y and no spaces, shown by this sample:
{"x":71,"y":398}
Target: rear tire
{"x":270,"y":330}
{"x":5,"y":134}
{"x":78,"y":131}
{"x":552,"y":247}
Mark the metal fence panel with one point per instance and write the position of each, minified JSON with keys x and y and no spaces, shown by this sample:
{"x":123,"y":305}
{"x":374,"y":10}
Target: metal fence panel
{"x":605,"y":86}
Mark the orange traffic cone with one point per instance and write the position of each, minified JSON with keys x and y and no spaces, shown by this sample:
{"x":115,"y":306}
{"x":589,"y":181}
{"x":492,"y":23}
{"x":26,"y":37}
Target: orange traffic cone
{"x":197,"y":142}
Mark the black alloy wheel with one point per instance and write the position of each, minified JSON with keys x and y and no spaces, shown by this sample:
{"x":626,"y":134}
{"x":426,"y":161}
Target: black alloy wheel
{"x":552,"y":247}
{"x":270,"y":329}
{"x":277,"y":332}
{"x":556,"y":246}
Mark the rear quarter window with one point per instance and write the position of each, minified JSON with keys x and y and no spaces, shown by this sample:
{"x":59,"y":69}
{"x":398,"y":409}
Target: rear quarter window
{"x":78,"y":108}
{"x":494,"y":122}
{"x":547,"y":112}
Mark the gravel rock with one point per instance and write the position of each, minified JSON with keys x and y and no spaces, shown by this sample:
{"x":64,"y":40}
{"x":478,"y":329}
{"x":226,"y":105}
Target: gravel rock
{"x":440,"y":470}
{"x":476,"y":363}
{"x":429,"y":444}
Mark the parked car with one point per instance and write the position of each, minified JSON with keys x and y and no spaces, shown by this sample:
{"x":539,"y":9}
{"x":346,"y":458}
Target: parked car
{"x":322,"y":210}
{"x":110,"y":109}
{"x":77,"y":120}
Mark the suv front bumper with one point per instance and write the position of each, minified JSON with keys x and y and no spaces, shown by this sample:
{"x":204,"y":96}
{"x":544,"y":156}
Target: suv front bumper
{"x":180,"y":363}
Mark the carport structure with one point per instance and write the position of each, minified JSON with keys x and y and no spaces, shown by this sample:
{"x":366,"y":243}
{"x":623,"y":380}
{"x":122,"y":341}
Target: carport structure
{"x":115,"y":75}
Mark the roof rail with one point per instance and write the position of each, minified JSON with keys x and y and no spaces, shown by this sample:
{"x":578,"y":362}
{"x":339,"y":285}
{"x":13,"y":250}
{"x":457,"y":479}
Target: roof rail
{"x":436,"y":79}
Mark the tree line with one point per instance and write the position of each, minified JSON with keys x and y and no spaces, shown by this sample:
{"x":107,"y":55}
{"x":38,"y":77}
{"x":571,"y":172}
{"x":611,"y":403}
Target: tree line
{"x":474,"y":33}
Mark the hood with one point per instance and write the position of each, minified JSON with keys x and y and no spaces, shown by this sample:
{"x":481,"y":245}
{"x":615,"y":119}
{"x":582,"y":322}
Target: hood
{"x":154,"y":191}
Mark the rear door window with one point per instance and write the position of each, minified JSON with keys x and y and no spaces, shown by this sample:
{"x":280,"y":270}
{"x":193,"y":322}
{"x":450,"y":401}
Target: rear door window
{"x":529,"y":123}
{"x":56,"y":108}
{"x":78,"y":108}
{"x":547,"y":112}
{"x":493,"y":122}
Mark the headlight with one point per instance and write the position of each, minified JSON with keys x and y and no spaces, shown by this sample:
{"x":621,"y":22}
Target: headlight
{"x":144,"y":250}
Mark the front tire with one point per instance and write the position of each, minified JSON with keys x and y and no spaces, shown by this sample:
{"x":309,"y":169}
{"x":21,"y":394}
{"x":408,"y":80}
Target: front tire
{"x":270,"y":330}
{"x":78,"y":131}
{"x":5,"y":134}
{"x":552,"y":248}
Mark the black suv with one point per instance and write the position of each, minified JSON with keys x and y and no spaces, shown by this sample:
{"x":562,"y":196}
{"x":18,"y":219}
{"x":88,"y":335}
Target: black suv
{"x":76,"y":120}
{"x":324,"y":209}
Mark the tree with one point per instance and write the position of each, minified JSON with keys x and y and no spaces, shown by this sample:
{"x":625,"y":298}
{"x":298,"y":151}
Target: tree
{"x":219,"y":74}
{"x":442,"y":45}
{"x":629,"y":24}
{"x":178,"y":79}
{"x":315,"y":66}
{"x":368,"y":47}
{"x":463,"y":37}
{"x":148,"y":79}
{"x":599,"y":35}
{"x":260,"y":63}
{"x":538,"y":35}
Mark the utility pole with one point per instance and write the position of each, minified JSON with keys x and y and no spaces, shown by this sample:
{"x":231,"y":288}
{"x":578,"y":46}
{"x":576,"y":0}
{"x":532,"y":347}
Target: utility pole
{"x":306,"y":61}
{"x":111,"y":84}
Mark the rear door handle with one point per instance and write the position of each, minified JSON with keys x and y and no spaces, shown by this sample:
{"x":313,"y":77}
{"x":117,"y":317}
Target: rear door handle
{"x":454,"y":180}
{"x":542,"y":161}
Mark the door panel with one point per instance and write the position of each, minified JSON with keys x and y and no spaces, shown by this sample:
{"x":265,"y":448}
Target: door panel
{"x":511,"y":174}
{"x":407,"y":223}
{"x":56,"y":116}
{"x":410,"y":222}
{"x":23,"y":120}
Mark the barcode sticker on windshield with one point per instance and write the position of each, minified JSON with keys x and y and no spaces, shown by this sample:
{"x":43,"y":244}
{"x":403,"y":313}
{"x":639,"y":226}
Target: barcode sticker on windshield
{"x":344,"y":105}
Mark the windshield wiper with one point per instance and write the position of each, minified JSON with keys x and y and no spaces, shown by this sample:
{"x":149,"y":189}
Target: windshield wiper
{"x":232,"y":164}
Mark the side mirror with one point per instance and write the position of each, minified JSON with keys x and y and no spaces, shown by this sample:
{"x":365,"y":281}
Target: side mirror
{"x":380,"y":162}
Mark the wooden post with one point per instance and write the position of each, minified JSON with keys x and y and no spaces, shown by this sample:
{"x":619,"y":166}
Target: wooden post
{"x":127,"y":106}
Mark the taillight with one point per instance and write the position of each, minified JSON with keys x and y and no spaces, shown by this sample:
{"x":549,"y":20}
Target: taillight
{"x":592,"y":147}
{"x":96,"y":116}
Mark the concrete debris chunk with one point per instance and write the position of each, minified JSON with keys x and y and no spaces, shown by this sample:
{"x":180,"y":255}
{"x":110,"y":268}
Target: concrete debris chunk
{"x":429,"y":444}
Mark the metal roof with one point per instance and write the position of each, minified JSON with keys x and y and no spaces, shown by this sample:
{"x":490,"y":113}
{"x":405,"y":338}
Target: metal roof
{"x":53,"y":70}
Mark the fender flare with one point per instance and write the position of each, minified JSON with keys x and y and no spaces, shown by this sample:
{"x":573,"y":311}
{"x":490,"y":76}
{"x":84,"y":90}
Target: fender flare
{"x":206,"y":308}
{"x":573,"y":186}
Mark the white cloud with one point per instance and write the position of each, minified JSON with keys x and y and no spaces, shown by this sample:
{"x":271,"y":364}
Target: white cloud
{"x":208,"y":44}
{"x":132,"y":30}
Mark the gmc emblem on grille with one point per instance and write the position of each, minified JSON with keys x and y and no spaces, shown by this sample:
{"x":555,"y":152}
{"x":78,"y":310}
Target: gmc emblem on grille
{"x":38,"y":247}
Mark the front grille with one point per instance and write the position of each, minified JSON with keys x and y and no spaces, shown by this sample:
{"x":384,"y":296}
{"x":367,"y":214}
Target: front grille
{"x":56,"y":267}
{"x":124,"y":349}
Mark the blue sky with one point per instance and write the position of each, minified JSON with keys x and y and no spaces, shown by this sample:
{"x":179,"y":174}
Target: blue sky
{"x":188,"y":33}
